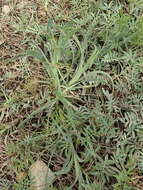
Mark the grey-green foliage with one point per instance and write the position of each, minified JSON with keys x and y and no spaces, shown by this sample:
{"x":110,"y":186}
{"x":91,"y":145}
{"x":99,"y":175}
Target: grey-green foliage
{"x":70,"y":126}
{"x":91,"y":117}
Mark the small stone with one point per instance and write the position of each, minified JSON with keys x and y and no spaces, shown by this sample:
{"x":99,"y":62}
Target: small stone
{"x":6,"y":9}
{"x":41,"y":175}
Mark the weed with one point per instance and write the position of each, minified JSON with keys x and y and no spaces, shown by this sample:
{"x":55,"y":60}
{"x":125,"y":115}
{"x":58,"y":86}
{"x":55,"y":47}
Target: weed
{"x":81,"y":110}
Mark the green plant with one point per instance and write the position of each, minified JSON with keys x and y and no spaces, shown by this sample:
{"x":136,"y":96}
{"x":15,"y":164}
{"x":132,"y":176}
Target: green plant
{"x":79,"y":103}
